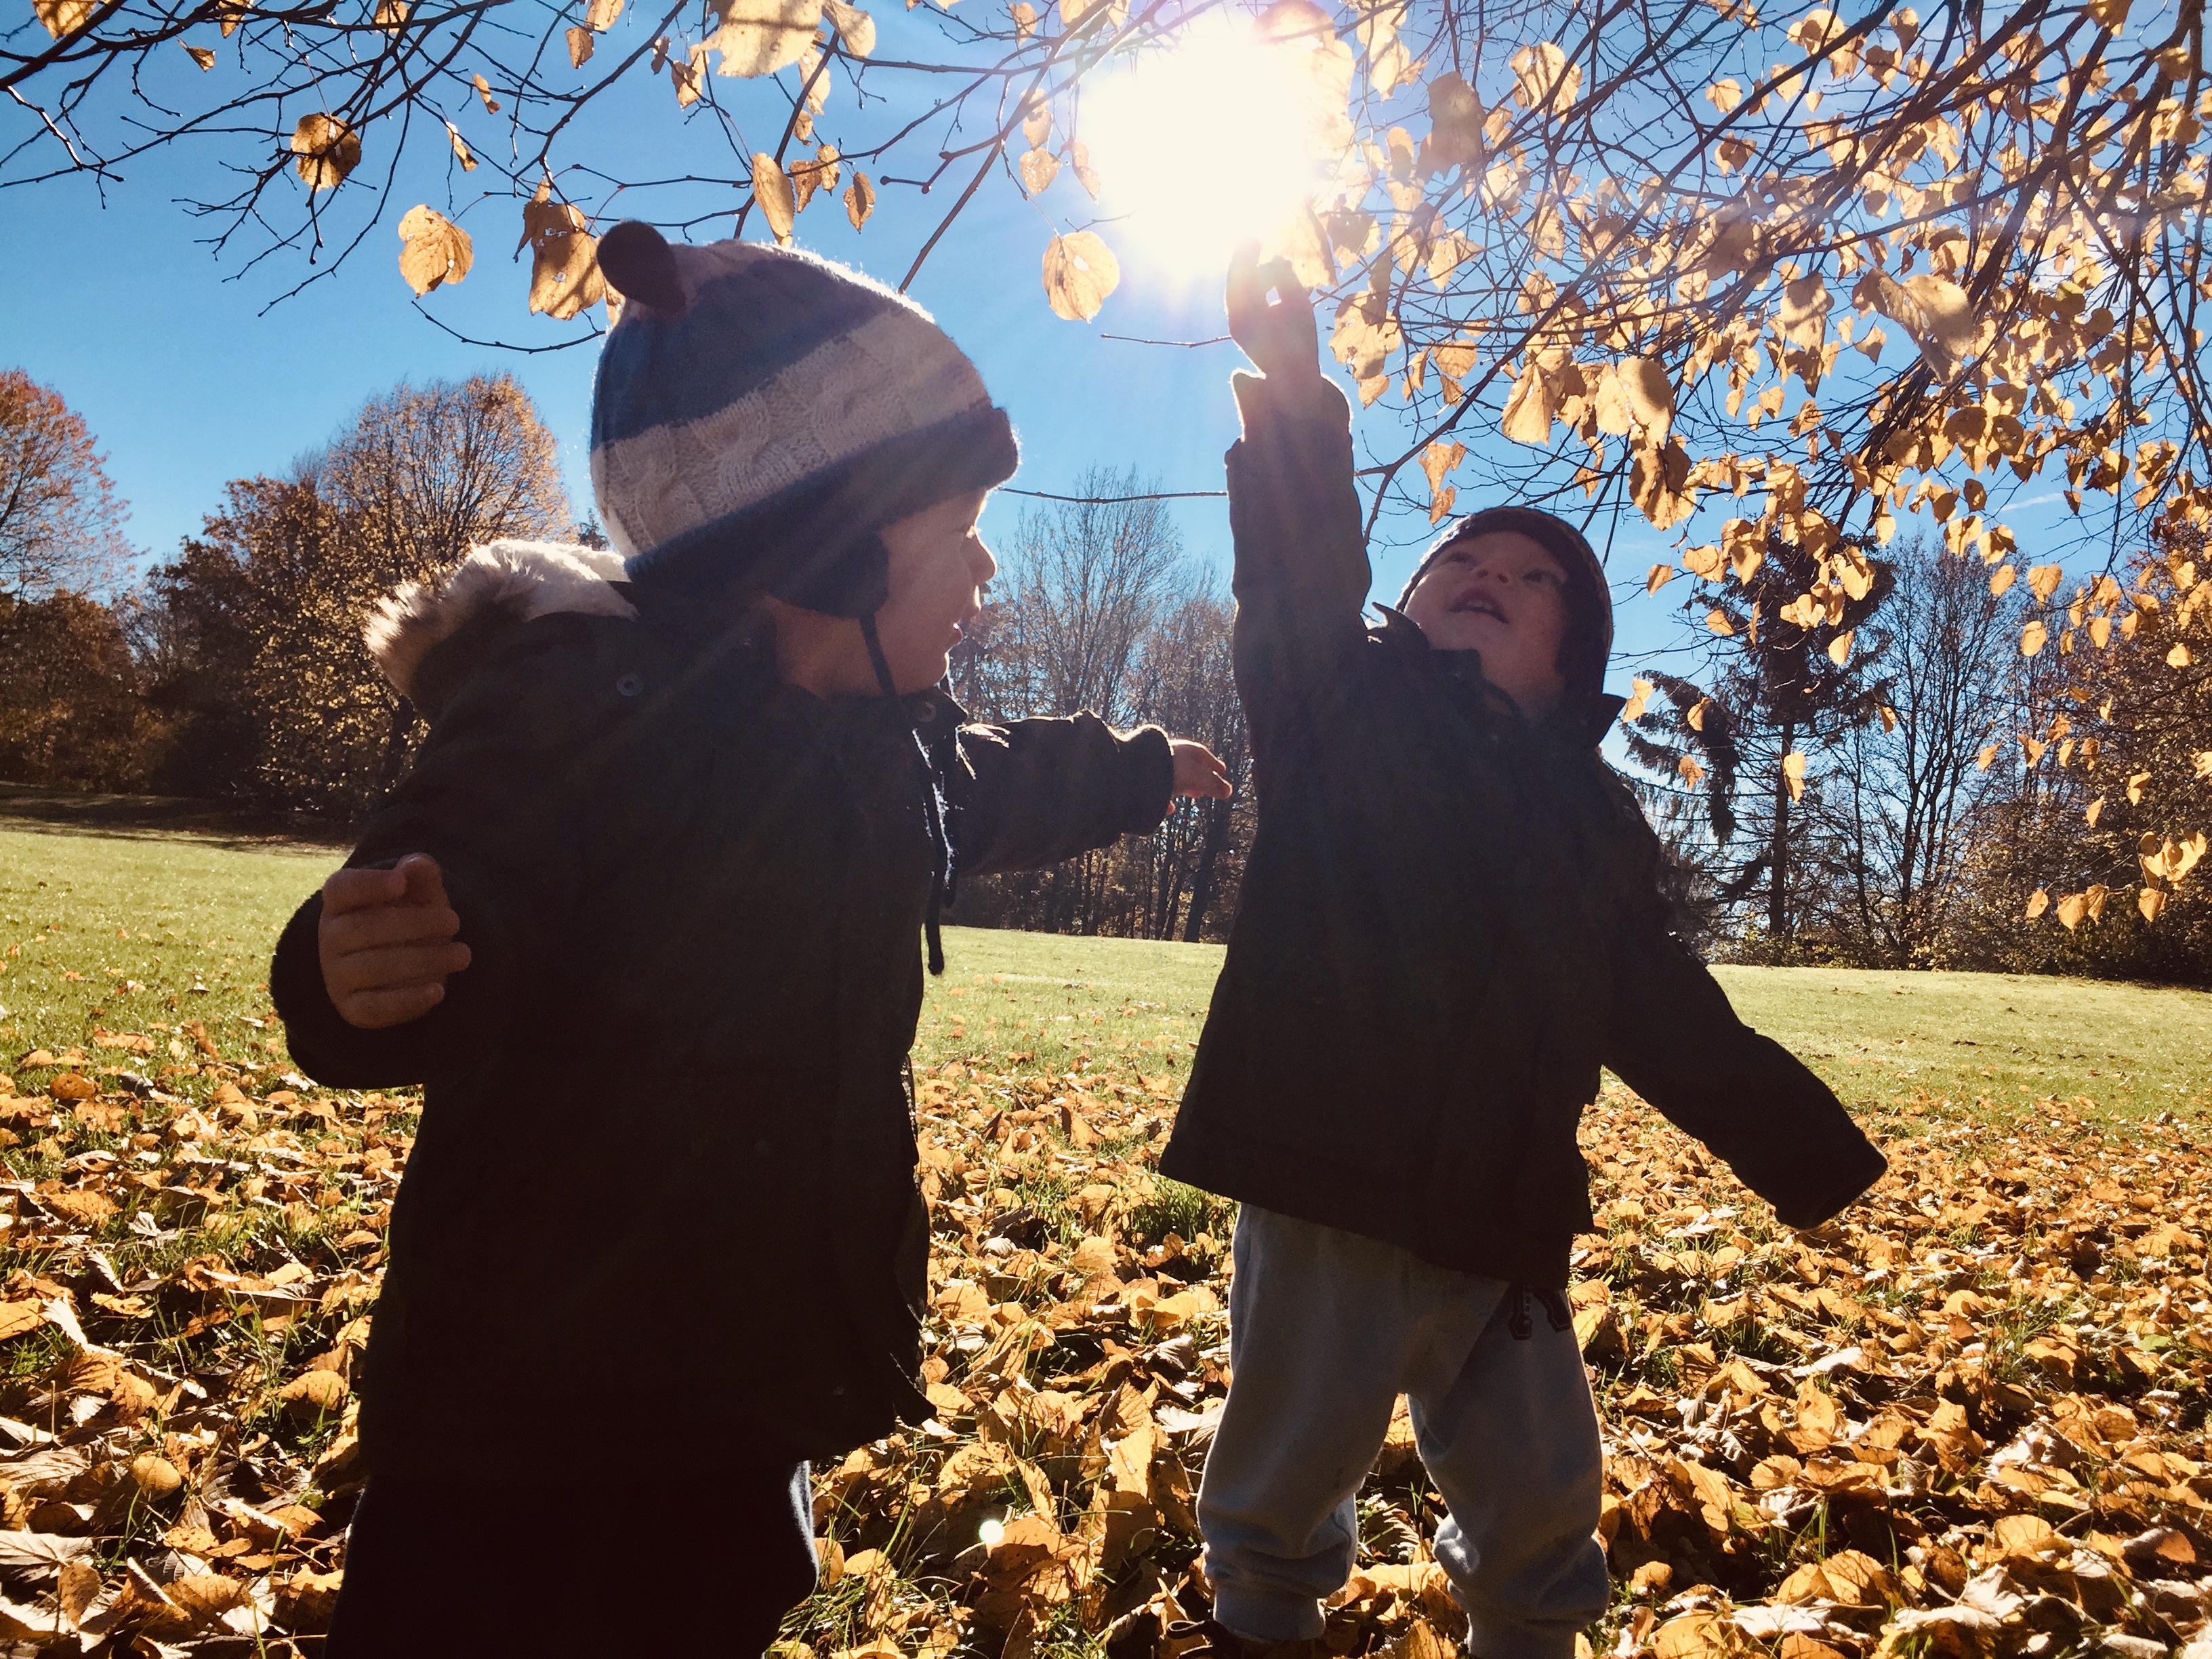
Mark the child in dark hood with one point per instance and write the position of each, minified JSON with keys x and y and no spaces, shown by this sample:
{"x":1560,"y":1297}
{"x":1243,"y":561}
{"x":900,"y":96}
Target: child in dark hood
{"x":1450,"y":921}
{"x":644,"y":919}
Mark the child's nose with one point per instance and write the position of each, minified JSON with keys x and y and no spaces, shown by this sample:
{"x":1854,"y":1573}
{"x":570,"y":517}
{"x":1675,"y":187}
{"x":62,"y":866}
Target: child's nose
{"x":985,"y":566}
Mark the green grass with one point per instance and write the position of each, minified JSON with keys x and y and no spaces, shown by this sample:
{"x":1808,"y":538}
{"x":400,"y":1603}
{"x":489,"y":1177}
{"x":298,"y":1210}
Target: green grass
{"x":163,"y":930}
{"x":168,"y":930}
{"x":1987,"y":1043}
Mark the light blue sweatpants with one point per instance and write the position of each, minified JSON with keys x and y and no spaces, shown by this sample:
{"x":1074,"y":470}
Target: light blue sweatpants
{"x":1327,"y":1329}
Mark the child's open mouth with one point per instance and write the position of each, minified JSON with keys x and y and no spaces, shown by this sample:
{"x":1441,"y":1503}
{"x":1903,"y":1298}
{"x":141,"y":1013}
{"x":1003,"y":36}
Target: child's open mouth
{"x":1479,"y":603}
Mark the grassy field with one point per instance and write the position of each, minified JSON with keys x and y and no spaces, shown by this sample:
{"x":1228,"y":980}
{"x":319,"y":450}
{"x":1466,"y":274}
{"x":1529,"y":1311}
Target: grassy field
{"x":110,"y":929}
{"x":193,"y":1239}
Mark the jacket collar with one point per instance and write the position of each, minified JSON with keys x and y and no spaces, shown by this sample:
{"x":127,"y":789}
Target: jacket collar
{"x":1584,"y":720}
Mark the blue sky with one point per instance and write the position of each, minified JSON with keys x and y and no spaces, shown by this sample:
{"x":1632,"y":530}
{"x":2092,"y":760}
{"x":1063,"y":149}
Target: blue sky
{"x":193,"y":370}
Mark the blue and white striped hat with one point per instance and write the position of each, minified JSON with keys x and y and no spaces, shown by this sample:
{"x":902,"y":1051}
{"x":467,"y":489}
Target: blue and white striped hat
{"x":761,"y":414}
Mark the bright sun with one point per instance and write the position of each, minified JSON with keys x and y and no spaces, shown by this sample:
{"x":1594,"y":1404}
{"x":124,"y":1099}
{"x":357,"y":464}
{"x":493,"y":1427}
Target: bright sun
{"x":1206,"y":144}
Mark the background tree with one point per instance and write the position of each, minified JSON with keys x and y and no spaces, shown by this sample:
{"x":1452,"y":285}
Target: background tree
{"x":256,"y":628}
{"x":1907,"y":794}
{"x":70,"y":716}
{"x":1788,"y":675}
{"x":61,"y":521}
{"x":1096,"y":610}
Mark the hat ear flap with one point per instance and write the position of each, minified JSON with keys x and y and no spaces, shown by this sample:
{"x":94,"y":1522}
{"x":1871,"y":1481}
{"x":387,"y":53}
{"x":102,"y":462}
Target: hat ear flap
{"x":637,"y":260}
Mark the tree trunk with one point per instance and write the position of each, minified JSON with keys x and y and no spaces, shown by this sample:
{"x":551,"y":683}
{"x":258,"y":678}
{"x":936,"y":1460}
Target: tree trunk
{"x":1777,"y":850}
{"x":1201,"y":884}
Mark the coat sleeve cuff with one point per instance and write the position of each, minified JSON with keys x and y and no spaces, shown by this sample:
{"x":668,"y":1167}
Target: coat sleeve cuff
{"x":1848,"y":1182}
{"x":1148,"y":781}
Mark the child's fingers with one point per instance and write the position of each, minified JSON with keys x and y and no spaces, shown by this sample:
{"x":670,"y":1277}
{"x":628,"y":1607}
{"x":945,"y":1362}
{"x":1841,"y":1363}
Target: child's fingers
{"x":353,"y":890}
{"x":393,"y":968}
{"x":372,"y":1011}
{"x":426,"y":882}
{"x":387,"y":924}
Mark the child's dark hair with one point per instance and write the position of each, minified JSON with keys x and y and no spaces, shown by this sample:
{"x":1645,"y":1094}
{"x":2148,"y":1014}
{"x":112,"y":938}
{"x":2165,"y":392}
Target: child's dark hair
{"x":1589,"y":640}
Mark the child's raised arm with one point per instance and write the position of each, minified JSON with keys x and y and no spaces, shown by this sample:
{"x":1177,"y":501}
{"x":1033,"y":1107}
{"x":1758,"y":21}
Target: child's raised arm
{"x":1301,"y":573}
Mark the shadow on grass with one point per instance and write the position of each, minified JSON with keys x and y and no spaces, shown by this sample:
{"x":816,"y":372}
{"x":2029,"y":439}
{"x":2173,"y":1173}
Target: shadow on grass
{"x":161,"y":817}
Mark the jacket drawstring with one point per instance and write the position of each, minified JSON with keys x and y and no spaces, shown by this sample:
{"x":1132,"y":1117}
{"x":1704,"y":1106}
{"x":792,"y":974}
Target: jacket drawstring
{"x":933,"y":798}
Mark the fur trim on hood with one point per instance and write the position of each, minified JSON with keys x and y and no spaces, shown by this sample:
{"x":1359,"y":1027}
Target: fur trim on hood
{"x":510,"y":580}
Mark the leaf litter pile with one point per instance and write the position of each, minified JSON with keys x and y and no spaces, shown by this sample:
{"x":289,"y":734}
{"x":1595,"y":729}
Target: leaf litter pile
{"x":1967,"y":1419}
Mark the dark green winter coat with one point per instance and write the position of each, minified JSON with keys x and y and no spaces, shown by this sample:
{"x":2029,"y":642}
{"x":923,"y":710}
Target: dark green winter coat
{"x":1450,"y":921}
{"x":661,"y":1210}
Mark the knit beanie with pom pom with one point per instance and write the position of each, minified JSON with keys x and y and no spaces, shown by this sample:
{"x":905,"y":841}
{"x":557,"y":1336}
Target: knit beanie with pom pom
{"x":762,"y":414}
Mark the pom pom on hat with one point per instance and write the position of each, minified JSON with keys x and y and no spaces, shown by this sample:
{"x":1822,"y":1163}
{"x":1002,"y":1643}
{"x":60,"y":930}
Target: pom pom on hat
{"x":761,"y":414}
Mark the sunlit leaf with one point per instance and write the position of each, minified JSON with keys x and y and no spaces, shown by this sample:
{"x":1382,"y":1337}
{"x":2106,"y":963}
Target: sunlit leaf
{"x":433,"y":251}
{"x":327,"y":149}
{"x":772,"y":189}
{"x":564,"y":273}
{"x":1793,"y":773}
{"x":202,"y":56}
{"x":860,"y":200}
{"x":1660,"y":575}
{"x":579,"y":45}
{"x":1079,"y":272}
{"x":759,"y":37}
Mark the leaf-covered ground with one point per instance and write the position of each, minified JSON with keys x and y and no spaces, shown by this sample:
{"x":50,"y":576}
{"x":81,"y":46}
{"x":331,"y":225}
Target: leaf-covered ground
{"x":1969,"y":1419}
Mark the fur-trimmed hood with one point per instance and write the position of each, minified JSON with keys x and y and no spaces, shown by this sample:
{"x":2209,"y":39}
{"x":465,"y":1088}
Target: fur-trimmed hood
{"x":500,"y":583}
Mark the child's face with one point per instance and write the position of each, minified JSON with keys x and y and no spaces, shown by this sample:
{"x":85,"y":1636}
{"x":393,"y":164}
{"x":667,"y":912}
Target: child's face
{"x":939,"y":565}
{"x":1501,"y":594}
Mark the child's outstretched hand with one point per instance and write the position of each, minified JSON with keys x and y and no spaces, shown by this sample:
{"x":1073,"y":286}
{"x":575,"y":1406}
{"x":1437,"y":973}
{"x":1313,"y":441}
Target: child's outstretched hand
{"x":1282,"y":339}
{"x":1198,"y":770}
{"x":388,"y":942}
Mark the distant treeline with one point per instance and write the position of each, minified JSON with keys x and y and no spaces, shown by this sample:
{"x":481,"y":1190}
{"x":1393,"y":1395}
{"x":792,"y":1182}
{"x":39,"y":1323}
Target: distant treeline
{"x":1920,"y":795}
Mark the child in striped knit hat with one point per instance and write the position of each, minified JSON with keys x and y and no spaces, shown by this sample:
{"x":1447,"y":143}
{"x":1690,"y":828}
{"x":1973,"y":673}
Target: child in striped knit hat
{"x":644,"y":919}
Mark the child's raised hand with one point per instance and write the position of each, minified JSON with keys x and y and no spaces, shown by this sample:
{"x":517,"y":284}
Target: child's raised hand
{"x":1198,"y":770}
{"x":388,"y":942}
{"x":1281,"y":339}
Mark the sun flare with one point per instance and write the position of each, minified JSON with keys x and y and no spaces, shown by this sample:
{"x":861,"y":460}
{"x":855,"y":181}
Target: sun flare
{"x":1207,"y":144}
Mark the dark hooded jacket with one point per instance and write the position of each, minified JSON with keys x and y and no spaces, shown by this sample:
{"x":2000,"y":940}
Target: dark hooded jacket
{"x":661,"y":1207}
{"x":1450,"y":921}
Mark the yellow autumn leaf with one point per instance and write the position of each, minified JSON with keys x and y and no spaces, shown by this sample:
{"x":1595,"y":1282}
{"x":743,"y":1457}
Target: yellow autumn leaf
{"x":1025,"y":19}
{"x":391,"y":15}
{"x":1039,"y":167}
{"x":1839,"y":648}
{"x":564,"y":274}
{"x":484,"y":92}
{"x":461,"y":151}
{"x":856,"y":29}
{"x":1660,"y":575}
{"x":2001,"y":579}
{"x":1988,"y":754}
{"x":2032,"y":638}
{"x":1888,"y":717}
{"x":2150,"y":901}
{"x":579,"y":45}
{"x":1717,"y":622}
{"x":1528,"y":410}
{"x":1691,"y":773}
{"x":860,"y":200}
{"x":327,"y":149}
{"x":2178,"y":657}
{"x":433,"y":250}
{"x":1659,"y":483}
{"x":2071,"y":909}
{"x":2043,"y":580}
{"x":2135,"y":787}
{"x":772,"y":189}
{"x":2038,"y":903}
{"x":759,"y":37}
{"x":1696,"y":717}
{"x":63,"y":18}
{"x":1935,"y":311}
{"x":600,"y":15}
{"x":1079,"y":272}
{"x":1640,"y":690}
{"x":1724,"y":95}
{"x":1793,"y":773}
{"x":201,"y":56}
{"x":2096,"y":807}
{"x":1544,"y":79}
